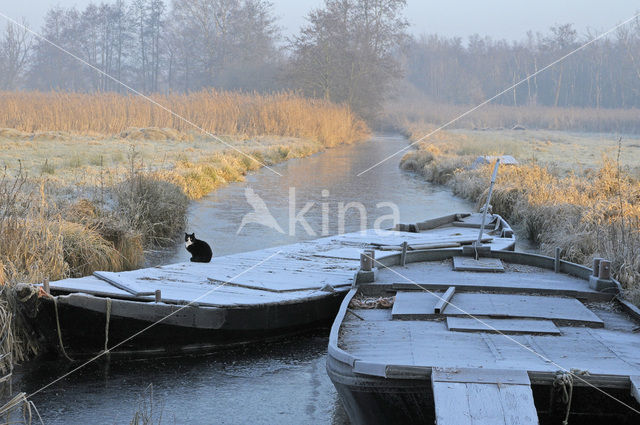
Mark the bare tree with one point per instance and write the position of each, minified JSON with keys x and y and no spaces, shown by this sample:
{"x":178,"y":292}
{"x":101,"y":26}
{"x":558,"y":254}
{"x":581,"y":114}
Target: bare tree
{"x":15,"y":48}
{"x":347,"y":52}
{"x":228,"y":43}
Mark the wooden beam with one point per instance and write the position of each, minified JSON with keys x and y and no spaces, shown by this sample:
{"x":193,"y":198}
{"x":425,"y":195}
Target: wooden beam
{"x":481,"y":376}
{"x":444,"y":300}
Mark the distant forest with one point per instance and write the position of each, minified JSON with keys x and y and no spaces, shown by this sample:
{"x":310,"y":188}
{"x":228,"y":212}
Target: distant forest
{"x":350,"y":51}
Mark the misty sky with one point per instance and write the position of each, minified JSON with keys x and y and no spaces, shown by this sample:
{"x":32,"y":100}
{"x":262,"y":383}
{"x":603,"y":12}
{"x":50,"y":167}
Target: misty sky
{"x":508,"y":19}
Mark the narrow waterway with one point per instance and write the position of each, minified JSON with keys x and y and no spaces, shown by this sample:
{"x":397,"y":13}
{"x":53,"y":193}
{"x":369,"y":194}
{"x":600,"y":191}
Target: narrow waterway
{"x":280,"y":382}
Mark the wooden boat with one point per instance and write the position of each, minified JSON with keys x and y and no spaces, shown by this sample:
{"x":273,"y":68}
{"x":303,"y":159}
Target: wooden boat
{"x":234,"y":298}
{"x":507,"y":338}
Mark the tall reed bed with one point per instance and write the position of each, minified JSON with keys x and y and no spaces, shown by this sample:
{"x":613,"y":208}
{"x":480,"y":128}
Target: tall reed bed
{"x":590,"y":213}
{"x":218,"y":112}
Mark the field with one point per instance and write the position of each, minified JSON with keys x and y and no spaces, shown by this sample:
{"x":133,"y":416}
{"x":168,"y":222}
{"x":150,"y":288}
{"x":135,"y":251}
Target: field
{"x":579,"y":192}
{"x":411,"y":110}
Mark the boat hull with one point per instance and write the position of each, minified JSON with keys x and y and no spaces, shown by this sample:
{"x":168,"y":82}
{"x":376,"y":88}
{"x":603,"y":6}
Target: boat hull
{"x":192,"y":329}
{"x":370,"y":400}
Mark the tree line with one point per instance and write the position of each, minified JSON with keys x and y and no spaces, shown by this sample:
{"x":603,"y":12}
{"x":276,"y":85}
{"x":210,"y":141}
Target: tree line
{"x":604,"y":74}
{"x":349,"y":51}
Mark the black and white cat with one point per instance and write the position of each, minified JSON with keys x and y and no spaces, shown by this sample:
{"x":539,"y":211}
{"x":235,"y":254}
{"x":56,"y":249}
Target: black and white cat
{"x":200,"y":250}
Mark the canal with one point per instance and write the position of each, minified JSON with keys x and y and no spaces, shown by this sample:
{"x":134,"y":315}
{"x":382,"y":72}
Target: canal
{"x":282,"y":381}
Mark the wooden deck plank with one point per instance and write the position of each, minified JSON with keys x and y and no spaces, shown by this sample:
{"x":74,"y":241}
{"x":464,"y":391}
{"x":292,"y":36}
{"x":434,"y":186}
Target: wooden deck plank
{"x":518,"y":405}
{"x":420,"y":305}
{"x":409,"y":306}
{"x":469,"y":264}
{"x":517,"y":277}
{"x":392,"y":237}
{"x":508,"y":326}
{"x":431,"y":344}
{"x":483,"y":396}
{"x":452,"y":403}
{"x":483,"y":404}
{"x":90,"y":285}
{"x":349,"y":253}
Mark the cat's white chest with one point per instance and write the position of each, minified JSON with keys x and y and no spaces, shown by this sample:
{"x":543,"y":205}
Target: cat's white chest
{"x":188,"y":243}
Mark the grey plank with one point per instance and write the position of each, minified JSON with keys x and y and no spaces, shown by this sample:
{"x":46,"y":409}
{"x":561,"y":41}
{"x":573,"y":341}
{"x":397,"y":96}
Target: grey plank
{"x":480,"y":265}
{"x":507,"y":326}
{"x":587,"y":294}
{"x":517,"y":405}
{"x":110,"y":279}
{"x":412,"y":305}
{"x":517,"y":277}
{"x":451,"y":402}
{"x":483,"y":404}
{"x":420,"y":305}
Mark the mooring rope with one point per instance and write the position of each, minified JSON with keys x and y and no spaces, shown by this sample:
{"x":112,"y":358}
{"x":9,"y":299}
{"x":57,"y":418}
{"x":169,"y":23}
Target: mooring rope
{"x":563,"y":383}
{"x":106,"y":324}
{"x":55,"y":306}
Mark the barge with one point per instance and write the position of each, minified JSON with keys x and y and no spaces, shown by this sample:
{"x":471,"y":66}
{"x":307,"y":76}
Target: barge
{"x":462,"y":336}
{"x":234,"y":299}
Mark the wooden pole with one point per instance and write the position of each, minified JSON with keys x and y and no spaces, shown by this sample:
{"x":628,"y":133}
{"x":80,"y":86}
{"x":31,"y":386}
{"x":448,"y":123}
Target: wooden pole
{"x":403,"y":254}
{"x":372,"y":256}
{"x":365,"y":262}
{"x":556,"y":264}
{"x":596,"y":266}
{"x":486,"y":205}
{"x":605,"y":269}
{"x":45,"y":284}
{"x":158,"y":295}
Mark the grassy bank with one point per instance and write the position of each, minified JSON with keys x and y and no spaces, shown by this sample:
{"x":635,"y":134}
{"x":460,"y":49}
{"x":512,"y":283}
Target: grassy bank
{"x":91,"y":181}
{"x":589,"y":207}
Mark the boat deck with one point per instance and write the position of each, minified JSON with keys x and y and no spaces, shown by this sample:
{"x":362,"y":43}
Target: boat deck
{"x":281,"y":274}
{"x":479,"y":339}
{"x":380,"y":344}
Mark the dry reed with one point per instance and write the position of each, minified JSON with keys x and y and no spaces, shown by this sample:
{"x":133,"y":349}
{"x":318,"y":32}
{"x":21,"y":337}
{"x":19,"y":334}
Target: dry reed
{"x":218,"y":112}
{"x":587,"y":213}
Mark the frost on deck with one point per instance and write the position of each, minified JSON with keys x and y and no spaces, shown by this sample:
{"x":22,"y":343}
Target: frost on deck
{"x":280,"y":274}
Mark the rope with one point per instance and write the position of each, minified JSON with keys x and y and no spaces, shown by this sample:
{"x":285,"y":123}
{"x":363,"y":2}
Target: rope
{"x":106,"y":324}
{"x":55,"y":306}
{"x":32,"y":291}
{"x":563,"y":383}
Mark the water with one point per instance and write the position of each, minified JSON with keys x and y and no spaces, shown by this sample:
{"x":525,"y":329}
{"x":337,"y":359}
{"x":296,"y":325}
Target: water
{"x":281,"y":382}
{"x":217,"y":218}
